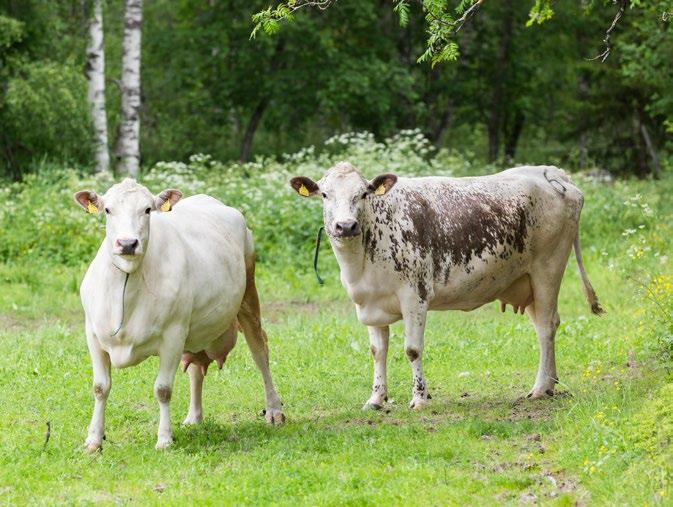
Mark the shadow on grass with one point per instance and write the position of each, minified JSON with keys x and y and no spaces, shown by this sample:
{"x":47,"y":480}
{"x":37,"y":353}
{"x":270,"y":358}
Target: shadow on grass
{"x":472,"y":416}
{"x":228,"y":437}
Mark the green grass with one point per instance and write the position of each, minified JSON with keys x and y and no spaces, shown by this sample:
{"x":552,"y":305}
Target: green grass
{"x":477,"y":443}
{"x":605,"y":440}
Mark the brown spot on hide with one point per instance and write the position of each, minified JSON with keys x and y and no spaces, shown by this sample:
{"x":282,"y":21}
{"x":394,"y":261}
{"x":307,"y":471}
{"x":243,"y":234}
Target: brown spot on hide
{"x":163,"y":394}
{"x":99,"y":391}
{"x":412,"y":354}
{"x":432,"y":231}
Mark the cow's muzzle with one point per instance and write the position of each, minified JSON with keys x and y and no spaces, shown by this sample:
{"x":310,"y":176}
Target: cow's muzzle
{"x":346,"y":229}
{"x":127,"y":246}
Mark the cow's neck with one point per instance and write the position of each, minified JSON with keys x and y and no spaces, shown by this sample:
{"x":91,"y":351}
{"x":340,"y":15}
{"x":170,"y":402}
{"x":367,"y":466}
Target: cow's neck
{"x":120,"y":290}
{"x":351,"y":258}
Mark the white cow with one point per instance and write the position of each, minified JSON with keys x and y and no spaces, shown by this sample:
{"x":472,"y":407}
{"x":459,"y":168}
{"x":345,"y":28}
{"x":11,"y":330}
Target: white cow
{"x":167,"y":283}
{"x":409,"y":245}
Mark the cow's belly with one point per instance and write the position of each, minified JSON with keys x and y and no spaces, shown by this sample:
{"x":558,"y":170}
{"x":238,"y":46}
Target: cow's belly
{"x":467,"y":291}
{"x":204,"y":331}
{"x":215,"y":306}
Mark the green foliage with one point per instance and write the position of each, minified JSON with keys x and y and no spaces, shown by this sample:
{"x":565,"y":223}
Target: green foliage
{"x":540,"y":12}
{"x":40,"y":220}
{"x":402,"y":9}
{"x":43,"y":108}
{"x":45,"y":103}
{"x":48,"y":226}
{"x":514,"y":95}
{"x":653,"y":428}
{"x":11,"y":31}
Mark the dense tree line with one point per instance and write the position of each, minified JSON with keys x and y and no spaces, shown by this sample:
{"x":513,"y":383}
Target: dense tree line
{"x":516,"y":93}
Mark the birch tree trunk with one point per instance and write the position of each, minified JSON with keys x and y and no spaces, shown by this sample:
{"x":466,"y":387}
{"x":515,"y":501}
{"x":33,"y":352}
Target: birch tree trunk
{"x":128,"y":143}
{"x":95,"y":67}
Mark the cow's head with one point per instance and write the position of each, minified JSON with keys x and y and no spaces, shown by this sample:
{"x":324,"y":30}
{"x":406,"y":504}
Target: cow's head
{"x":344,"y":193}
{"x":127,"y":207}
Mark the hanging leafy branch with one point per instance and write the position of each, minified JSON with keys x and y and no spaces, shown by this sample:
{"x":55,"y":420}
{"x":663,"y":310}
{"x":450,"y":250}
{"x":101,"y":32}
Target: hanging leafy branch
{"x":443,"y":21}
{"x":269,"y":19}
{"x":442,"y":27}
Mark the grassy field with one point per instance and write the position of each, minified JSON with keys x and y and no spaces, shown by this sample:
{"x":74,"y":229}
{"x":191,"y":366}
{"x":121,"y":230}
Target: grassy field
{"x":603,"y":440}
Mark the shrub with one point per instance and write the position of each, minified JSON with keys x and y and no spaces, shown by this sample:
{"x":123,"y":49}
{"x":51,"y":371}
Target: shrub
{"x":44,"y":104}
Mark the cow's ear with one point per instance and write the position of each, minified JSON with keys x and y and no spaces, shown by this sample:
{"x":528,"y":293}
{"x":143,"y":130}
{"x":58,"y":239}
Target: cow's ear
{"x":304,"y":186}
{"x":90,"y":201}
{"x":166,"y":199}
{"x":382,"y":184}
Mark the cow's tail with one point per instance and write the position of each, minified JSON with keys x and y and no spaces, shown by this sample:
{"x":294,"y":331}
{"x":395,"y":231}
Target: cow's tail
{"x":589,"y":291}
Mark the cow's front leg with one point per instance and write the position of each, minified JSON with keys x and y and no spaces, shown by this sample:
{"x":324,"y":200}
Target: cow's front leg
{"x":102,"y":382}
{"x":414,"y":328}
{"x":378,"y":342}
{"x":169,"y":359}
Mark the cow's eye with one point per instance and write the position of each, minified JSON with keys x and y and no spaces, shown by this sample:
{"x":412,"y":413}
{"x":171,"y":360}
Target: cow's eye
{"x":324,"y":195}
{"x":107,"y":211}
{"x":147,"y":211}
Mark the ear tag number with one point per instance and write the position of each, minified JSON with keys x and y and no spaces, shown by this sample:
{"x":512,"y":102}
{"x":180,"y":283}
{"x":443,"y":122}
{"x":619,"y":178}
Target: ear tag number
{"x":166,"y":206}
{"x":381,"y":190}
{"x":304,"y":191}
{"x":91,"y":208}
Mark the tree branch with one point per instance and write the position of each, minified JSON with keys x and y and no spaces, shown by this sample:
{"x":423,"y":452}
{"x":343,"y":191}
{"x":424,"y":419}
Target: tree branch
{"x":456,"y":24}
{"x":467,"y":15}
{"x":320,"y":4}
{"x":620,"y":12}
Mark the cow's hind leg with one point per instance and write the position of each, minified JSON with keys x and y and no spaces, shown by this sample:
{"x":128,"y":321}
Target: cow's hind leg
{"x":546,"y":321}
{"x":195,"y":414}
{"x":378,"y":341}
{"x":544,"y":315}
{"x":216,"y":351}
{"x":250,"y":319}
{"x":414,"y":329}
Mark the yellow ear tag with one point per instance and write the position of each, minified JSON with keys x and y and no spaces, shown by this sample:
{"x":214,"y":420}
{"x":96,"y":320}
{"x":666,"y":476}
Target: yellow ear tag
{"x":304,"y":191}
{"x":91,"y":208}
{"x":381,"y":190}
{"x":166,"y":206}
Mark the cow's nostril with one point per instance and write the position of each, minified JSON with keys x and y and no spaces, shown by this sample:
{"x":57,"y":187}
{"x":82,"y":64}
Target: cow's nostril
{"x":128,"y":246}
{"x":347,"y":228}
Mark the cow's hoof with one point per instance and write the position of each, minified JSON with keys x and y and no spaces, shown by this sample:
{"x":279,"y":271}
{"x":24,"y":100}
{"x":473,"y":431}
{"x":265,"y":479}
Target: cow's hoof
{"x":418,"y":404}
{"x":163,"y":443}
{"x":92,"y":446}
{"x":274,"y":416}
{"x":372,"y":405}
{"x":191,"y":420}
{"x":538,"y":394}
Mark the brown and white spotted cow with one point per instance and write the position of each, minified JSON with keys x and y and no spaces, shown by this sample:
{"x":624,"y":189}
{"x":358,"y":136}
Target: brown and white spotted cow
{"x":409,"y":245}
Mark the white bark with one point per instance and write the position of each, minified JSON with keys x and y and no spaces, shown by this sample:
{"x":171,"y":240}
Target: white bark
{"x":128,"y":144}
{"x":95,"y":57}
